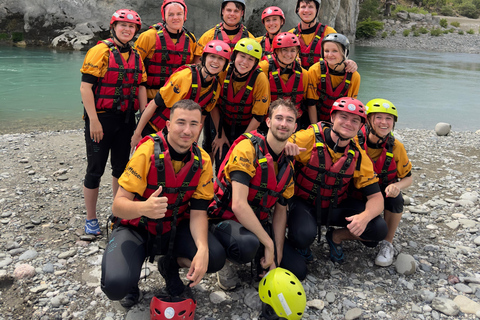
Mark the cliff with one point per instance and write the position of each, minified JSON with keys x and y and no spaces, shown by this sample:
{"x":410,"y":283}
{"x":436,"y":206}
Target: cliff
{"x":79,"y":24}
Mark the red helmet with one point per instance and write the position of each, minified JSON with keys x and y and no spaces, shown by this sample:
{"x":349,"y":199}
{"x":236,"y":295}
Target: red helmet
{"x":218,"y":47}
{"x":273,"y":11}
{"x":180,"y":2}
{"x":165,"y":307}
{"x":350,"y":105}
{"x":285,"y":40}
{"x":126,"y":15}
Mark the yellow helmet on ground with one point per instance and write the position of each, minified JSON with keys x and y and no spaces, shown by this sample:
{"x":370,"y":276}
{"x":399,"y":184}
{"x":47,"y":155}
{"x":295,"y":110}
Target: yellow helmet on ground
{"x":250,"y":47}
{"x":282,"y":290}
{"x":381,"y":106}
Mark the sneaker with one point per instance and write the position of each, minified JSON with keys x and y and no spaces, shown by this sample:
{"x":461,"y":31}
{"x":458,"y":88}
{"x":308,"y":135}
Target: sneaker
{"x":168,"y":268}
{"x":227,"y":277}
{"x":385,"y":255}
{"x":131,"y":298}
{"x":92,"y":227}
{"x":306,"y":254}
{"x":336,"y":250}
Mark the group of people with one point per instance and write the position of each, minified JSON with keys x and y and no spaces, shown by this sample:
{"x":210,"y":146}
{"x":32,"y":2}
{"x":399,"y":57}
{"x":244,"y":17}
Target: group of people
{"x":287,"y":148}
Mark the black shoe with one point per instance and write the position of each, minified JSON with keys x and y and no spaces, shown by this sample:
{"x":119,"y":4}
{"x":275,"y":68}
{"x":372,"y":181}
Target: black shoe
{"x":131,"y":298}
{"x":336,"y":250}
{"x":168,"y":268}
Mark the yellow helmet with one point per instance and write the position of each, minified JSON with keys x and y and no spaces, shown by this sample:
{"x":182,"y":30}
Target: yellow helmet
{"x":381,"y":106}
{"x":282,"y":290}
{"x":250,"y":47}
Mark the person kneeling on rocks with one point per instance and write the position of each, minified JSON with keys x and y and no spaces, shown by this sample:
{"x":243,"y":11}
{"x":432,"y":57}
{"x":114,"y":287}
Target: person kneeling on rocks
{"x":329,"y":161}
{"x":161,"y":209}
{"x":256,"y":179}
{"x":391,"y":164}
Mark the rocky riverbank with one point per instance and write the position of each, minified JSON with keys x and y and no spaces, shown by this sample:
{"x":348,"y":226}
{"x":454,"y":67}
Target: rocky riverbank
{"x":49,"y":270}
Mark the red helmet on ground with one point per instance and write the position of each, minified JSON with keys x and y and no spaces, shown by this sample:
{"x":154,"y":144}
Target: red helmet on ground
{"x":180,"y":2}
{"x":126,"y":15}
{"x":285,"y":40}
{"x":350,"y":105}
{"x":273,"y":11}
{"x":167,"y":308}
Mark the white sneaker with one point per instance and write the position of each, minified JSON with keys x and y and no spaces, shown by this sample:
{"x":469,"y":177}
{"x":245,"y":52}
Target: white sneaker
{"x":385,"y":255}
{"x":227,"y":277}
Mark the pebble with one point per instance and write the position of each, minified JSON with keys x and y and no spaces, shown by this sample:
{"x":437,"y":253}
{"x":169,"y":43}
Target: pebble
{"x":467,"y":305}
{"x":446,"y":306}
{"x":354,"y":313}
{"x":442,"y":128}
{"x":405,"y":264}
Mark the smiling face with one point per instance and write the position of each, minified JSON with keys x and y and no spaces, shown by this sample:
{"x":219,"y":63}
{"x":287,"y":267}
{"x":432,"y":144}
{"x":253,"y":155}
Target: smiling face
{"x":282,"y":123}
{"x":231,"y":14}
{"x":273,"y":24}
{"x":215,"y":63}
{"x":174,"y":17}
{"x":125,"y":31}
{"x":244,"y":62}
{"x":307,"y":11}
{"x":346,"y":124}
{"x":286,"y":56}
{"x":382,"y":123}
{"x":184,"y":128}
{"x":333,"y":53}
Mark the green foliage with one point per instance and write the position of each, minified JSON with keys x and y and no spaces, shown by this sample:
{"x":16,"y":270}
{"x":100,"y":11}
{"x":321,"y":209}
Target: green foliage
{"x":408,"y":9}
{"x":460,"y":32}
{"x":406,"y":32}
{"x":369,"y":9}
{"x":447,"y":11}
{"x":3,"y":36}
{"x":17,"y":36}
{"x":451,"y":30}
{"x":443,"y":23}
{"x":368,"y":28}
{"x":455,"y":24}
{"x":446,"y":31}
{"x":471,"y":31}
{"x":423,"y":30}
{"x":436,"y":32}
{"x":393,"y":32}
{"x":469,"y":10}
{"x":476,"y":3}
{"x":416,"y":33}
{"x":434,"y":3}
{"x":384,"y":34}
{"x":414,"y":27}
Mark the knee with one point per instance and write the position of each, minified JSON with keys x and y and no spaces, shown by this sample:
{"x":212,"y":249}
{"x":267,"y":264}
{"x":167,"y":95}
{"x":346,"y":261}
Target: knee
{"x":217,"y":256}
{"x":239,"y":243}
{"x":92,"y":181}
{"x":115,"y":289}
{"x":302,"y":226}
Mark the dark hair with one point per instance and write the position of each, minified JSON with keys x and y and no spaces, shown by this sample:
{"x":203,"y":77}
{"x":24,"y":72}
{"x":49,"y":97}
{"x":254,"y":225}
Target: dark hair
{"x":185,"y":105}
{"x":282,"y":102}
{"x":237,"y":4}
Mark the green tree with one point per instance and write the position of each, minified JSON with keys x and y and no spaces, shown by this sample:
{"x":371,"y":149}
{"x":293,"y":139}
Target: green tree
{"x":368,"y":28}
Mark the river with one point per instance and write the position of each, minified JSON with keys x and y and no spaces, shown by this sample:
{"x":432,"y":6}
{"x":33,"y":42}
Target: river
{"x":39,"y":88}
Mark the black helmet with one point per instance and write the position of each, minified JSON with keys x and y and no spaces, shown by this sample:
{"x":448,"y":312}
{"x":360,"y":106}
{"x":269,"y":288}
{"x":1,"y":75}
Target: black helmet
{"x":317,"y":4}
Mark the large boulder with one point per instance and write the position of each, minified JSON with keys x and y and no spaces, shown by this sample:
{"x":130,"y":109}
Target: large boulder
{"x":80,"y":24}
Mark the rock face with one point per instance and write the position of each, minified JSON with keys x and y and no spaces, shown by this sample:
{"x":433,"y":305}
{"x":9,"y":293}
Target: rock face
{"x":79,"y":24}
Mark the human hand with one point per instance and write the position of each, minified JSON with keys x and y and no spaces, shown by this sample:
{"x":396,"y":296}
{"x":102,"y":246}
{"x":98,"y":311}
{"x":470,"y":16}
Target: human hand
{"x":391,"y":191}
{"x":357,"y":224}
{"x":291,"y":149}
{"x":267,"y":260}
{"x":136,"y":137}
{"x":96,"y":130}
{"x":350,"y":66}
{"x":198,"y":268}
{"x":155,"y":207}
{"x":217,"y":145}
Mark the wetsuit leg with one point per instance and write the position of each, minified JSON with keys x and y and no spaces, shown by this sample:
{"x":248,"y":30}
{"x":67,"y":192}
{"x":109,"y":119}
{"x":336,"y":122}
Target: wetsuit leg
{"x":302,"y":224}
{"x":240,"y":244}
{"x":122,"y":262}
{"x":122,"y":134}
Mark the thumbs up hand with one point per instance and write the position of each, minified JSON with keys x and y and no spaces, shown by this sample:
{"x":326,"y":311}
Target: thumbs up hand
{"x":155,"y":206}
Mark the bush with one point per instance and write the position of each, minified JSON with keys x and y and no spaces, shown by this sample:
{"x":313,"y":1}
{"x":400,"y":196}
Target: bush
{"x":369,"y":9}
{"x":3,"y":36}
{"x":435,"y":32}
{"x":423,"y":30}
{"x":476,"y":3}
{"x":400,"y":7}
{"x":393,"y":32}
{"x":443,"y":23}
{"x":451,"y":30}
{"x":17,"y":36}
{"x":460,"y":32}
{"x":416,"y":33}
{"x":368,"y":28}
{"x":471,"y":31}
{"x":455,"y":24}
{"x":446,"y":31}
{"x":406,"y":32}
{"x":384,"y":34}
{"x":468,"y":10}
{"x":414,"y":27}
{"x":447,"y":11}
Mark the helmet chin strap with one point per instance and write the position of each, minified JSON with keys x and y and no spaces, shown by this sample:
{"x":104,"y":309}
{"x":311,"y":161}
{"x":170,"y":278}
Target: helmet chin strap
{"x":116,"y":38}
{"x":286,"y":65}
{"x":381,"y":139}
{"x":340,"y":138}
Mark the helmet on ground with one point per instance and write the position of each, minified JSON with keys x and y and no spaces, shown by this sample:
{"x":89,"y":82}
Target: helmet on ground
{"x":180,"y":2}
{"x":282,"y":291}
{"x":317,"y":4}
{"x":166,"y":308}
{"x":272,"y":11}
{"x":338,"y":38}
{"x":381,"y":106}
{"x":249,"y":46}
{"x":126,"y":15}
{"x":350,"y":105}
{"x":285,"y":40}
{"x":224,"y":3}
{"x":217,"y":47}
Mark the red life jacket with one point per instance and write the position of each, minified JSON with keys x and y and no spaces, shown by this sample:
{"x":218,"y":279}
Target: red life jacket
{"x":236,"y":109}
{"x":292,"y":90}
{"x":167,"y":56}
{"x":265,"y":187}
{"x":177,"y":187}
{"x":118,"y":90}
{"x":266,"y":46}
{"x":321,"y":179}
{"x":328,"y":95}
{"x":385,"y":167}
{"x":313,"y":52}
{"x":220,"y":34}
{"x":162,"y":114}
